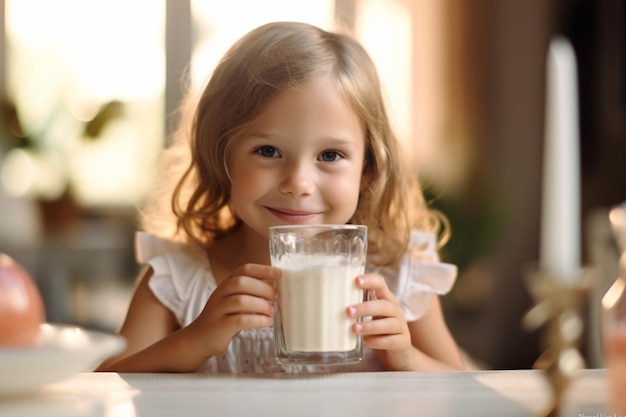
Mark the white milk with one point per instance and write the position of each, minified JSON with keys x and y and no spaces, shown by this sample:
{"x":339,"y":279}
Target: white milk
{"x":313,"y":302}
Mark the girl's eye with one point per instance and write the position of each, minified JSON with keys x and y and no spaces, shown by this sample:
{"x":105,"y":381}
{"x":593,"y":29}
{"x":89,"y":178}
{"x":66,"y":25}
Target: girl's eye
{"x":267,"y":151}
{"x":330,"y":156}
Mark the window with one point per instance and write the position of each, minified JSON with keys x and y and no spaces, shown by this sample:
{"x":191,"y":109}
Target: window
{"x":87,"y":80}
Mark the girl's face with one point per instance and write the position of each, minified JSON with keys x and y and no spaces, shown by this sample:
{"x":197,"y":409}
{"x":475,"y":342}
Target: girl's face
{"x":300,"y":162}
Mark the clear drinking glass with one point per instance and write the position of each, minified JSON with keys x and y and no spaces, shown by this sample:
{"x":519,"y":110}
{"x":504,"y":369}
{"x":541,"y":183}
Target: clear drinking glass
{"x":319,"y":265}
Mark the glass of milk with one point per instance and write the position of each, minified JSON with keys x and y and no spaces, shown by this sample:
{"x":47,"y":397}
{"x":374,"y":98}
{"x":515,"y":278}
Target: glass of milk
{"x":319,"y":265}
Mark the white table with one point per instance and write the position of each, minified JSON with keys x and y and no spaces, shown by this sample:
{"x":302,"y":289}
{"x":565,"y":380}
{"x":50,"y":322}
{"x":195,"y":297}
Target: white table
{"x":457,"y":394}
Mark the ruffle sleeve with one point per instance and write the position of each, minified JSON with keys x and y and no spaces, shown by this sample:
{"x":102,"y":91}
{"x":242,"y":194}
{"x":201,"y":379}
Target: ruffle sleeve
{"x":180,"y":280}
{"x":419,"y":276}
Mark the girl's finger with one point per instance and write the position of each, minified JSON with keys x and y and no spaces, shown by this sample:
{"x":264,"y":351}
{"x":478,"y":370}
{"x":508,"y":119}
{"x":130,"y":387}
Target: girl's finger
{"x":258,"y":271}
{"x":375,"y":308}
{"x":382,"y":342}
{"x":376,"y":285}
{"x":242,"y":284}
{"x":247,"y":304}
{"x":379,"y":327}
{"x":247,"y":321}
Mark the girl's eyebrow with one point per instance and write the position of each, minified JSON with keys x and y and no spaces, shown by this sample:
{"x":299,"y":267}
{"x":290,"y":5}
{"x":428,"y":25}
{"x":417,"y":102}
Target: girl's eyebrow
{"x":338,"y":141}
{"x":253,"y":135}
{"x":256,"y":137}
{"x":327,"y":141}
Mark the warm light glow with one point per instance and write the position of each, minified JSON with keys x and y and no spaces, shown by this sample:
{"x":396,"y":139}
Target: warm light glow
{"x":614,"y":293}
{"x":105,"y":171}
{"x":66,"y":60}
{"x":110,"y":51}
{"x":18,"y":173}
{"x":617,"y":216}
{"x":221,"y":23}
{"x":24,"y":174}
{"x":73,"y":337}
{"x":121,"y":407}
{"x":384,"y":28}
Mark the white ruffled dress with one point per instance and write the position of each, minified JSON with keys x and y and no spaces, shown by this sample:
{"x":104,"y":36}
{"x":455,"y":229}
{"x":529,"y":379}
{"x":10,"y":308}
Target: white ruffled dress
{"x":183,"y":281}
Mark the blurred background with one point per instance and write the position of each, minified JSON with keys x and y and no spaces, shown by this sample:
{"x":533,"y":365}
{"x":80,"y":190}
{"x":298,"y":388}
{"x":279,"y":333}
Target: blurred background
{"x":89,"y":91}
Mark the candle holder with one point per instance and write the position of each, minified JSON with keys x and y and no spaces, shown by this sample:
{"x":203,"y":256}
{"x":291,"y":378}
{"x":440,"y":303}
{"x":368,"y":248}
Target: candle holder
{"x":557,"y":313}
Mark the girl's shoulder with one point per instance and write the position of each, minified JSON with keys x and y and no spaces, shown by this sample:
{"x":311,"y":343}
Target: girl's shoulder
{"x":179,"y":263}
{"x":181,"y":275}
{"x":150,"y":246}
{"x":423,"y":245}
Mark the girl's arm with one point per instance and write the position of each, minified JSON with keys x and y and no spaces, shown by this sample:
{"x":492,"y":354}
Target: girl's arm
{"x":155,"y":341}
{"x":431,"y":337}
{"x":152,"y":341}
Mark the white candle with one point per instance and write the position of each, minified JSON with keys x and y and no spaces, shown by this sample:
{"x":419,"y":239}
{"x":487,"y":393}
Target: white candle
{"x":560,"y":221}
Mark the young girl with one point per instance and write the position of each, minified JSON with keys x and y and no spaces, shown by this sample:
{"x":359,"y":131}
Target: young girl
{"x":290,"y":129}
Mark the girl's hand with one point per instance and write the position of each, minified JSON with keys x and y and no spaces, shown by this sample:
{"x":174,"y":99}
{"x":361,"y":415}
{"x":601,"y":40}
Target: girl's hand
{"x":244,"y":300}
{"x":387,"y":333}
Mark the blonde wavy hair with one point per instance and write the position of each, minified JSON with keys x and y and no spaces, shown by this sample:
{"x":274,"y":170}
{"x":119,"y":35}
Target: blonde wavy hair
{"x":271,"y":59}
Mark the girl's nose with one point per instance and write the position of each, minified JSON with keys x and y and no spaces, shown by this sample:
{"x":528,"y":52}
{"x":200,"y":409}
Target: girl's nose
{"x":297,"y":180}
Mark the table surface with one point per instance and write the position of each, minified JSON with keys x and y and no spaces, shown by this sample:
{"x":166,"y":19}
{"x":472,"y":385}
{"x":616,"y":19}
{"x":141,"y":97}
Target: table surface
{"x":470,"y":393}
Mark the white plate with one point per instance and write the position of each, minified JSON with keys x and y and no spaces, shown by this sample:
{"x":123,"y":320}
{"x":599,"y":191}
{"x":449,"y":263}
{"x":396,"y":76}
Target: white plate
{"x":64,"y":350}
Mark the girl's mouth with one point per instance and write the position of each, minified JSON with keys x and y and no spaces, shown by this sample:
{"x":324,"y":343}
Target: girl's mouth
{"x":292,"y":216}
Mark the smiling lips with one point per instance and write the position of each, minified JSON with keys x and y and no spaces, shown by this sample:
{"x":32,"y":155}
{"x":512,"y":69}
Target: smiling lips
{"x":292,"y":216}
